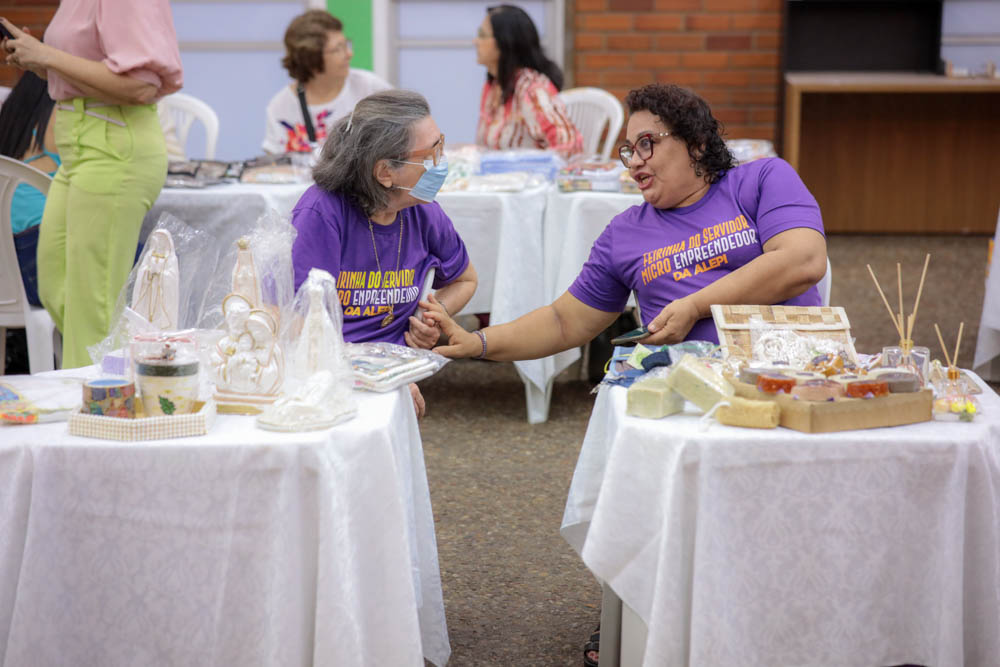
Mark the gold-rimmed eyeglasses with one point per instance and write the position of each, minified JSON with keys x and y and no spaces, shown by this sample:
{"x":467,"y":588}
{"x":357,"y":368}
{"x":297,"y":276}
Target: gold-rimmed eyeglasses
{"x":643,"y":147}
{"x":436,"y":151}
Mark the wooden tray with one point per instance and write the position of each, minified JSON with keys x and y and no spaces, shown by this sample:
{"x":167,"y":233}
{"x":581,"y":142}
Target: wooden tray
{"x":144,"y":428}
{"x":845,"y":414}
{"x":732,"y":323}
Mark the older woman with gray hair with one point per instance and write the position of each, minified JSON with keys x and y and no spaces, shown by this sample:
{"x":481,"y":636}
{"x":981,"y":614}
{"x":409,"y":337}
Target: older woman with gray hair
{"x":371,"y":221}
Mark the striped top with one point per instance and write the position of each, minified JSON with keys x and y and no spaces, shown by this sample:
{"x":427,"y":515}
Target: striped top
{"x":534,"y":116}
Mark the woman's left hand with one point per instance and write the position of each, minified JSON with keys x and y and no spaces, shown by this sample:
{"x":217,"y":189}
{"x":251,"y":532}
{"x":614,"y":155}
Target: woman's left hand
{"x":422,"y":335}
{"x":23,"y":50}
{"x":673,"y":323}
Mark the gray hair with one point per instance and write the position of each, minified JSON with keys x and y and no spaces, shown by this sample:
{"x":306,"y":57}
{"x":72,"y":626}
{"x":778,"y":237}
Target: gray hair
{"x":379,"y":128}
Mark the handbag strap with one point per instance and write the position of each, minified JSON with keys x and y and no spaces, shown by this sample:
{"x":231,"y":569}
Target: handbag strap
{"x":310,"y":130}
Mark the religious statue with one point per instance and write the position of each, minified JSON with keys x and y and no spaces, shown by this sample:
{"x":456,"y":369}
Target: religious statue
{"x":245,"y":280}
{"x":319,"y":364}
{"x":247,"y":360}
{"x":156,"y":294}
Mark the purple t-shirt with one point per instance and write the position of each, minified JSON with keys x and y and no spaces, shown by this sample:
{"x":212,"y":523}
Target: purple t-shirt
{"x":668,"y":254}
{"x":333,"y":235}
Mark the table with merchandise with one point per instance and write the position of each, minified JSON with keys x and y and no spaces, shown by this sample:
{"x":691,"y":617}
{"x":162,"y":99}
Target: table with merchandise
{"x":242,"y":546}
{"x":836,"y":513}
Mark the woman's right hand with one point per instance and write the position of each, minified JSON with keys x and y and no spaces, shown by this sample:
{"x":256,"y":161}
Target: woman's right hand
{"x":461,"y":343}
{"x":24,"y":50}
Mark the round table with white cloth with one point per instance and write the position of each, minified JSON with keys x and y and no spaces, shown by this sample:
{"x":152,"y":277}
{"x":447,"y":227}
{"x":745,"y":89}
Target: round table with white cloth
{"x":240,"y":547}
{"x":738,"y":546}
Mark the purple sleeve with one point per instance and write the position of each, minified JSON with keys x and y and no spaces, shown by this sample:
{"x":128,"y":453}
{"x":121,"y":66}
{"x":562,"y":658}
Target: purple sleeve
{"x":783,"y":201}
{"x":598,"y":285}
{"x":446,"y":245}
{"x":317,"y":243}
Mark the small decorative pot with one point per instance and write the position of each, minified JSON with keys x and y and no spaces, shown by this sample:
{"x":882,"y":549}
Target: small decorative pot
{"x":167,"y":387}
{"x":109,"y":397}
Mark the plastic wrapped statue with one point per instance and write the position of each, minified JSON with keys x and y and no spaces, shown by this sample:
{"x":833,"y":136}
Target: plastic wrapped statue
{"x":245,"y":280}
{"x":156,"y":295}
{"x":318,"y":362}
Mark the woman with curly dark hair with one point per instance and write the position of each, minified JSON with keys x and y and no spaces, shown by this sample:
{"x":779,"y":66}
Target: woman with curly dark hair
{"x":520,"y":105}
{"x":709,"y":232}
{"x":324,"y":88}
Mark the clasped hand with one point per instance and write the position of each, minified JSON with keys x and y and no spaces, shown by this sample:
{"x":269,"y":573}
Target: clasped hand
{"x":23,"y":50}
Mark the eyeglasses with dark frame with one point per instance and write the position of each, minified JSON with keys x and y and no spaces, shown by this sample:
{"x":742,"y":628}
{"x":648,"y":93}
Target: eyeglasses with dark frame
{"x":643,"y":147}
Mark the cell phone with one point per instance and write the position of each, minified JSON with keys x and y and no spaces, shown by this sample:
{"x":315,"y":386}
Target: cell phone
{"x":6,"y":34}
{"x":425,"y":289}
{"x":631,"y":337}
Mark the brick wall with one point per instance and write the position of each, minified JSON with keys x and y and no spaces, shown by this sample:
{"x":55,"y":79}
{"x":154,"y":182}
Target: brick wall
{"x":35,"y":14}
{"x":725,"y":50}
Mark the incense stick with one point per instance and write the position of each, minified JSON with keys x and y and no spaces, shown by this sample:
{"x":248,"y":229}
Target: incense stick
{"x":944,"y":350}
{"x":920,"y":290}
{"x":892,"y":315}
{"x":958,"y":342}
{"x":899,"y":286}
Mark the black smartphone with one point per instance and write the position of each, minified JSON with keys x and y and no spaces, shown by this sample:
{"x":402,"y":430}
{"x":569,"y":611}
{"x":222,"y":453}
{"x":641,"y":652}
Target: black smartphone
{"x":631,"y":337}
{"x":4,"y":33}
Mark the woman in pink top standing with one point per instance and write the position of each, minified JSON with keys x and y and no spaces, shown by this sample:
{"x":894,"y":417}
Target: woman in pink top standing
{"x":107,"y":62}
{"x":520,"y":107}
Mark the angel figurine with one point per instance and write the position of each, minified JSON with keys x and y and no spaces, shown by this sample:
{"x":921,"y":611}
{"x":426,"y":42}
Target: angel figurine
{"x":156,"y":294}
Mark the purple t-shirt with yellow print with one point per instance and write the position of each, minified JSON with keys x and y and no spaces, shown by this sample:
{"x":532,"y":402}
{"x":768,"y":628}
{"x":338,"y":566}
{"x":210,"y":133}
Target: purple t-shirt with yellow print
{"x":333,"y":235}
{"x":668,"y":254}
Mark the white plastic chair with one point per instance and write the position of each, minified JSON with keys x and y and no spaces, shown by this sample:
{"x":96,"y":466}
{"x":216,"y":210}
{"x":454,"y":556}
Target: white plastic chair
{"x":183,"y":110}
{"x":15,"y":311}
{"x":591,"y":109}
{"x":824,"y":285}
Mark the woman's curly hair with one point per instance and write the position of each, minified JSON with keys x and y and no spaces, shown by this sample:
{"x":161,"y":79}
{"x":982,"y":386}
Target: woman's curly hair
{"x":305,"y":39}
{"x":689,"y":118}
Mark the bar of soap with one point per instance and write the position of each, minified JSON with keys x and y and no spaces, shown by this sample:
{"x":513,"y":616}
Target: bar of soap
{"x":652,"y":399}
{"x":900,"y":382}
{"x":818,"y":390}
{"x":749,"y":413}
{"x":867,"y":388}
{"x":772,"y":383}
{"x":698,"y":383}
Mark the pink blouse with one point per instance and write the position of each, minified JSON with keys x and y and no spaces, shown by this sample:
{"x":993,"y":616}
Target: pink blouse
{"x":133,"y":37}
{"x":534,"y":116}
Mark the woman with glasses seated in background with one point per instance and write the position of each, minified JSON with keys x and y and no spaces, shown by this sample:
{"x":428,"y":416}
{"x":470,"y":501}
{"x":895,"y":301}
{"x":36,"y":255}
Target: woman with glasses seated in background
{"x":325,"y":87}
{"x":520,"y":106}
{"x":371,"y":222}
{"x":709,"y":232}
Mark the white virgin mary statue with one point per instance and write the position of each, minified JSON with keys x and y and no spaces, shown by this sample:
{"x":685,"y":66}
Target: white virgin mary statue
{"x":156,"y":293}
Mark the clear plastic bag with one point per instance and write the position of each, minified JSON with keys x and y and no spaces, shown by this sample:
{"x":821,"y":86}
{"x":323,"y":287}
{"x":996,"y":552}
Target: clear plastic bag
{"x":317,"y":363}
{"x":196,"y":252}
{"x":385,"y":366}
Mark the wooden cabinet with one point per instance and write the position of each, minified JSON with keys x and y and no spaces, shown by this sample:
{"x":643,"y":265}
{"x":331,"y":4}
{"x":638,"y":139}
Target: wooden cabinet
{"x":896,"y":153}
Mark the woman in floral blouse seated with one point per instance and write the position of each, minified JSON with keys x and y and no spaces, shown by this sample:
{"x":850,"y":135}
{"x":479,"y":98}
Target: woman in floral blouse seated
{"x":520,"y":107}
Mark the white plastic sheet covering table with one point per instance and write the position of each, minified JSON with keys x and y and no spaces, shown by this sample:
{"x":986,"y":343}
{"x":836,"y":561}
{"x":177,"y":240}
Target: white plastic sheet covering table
{"x":501,"y":230}
{"x":774,"y":547}
{"x":987,"y":359}
{"x":240,"y":547}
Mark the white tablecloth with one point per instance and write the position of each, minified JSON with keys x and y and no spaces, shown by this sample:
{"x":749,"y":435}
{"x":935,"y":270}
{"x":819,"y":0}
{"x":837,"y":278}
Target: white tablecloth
{"x":240,"y":547}
{"x":739,"y":546}
{"x":573,"y":221}
{"x":987,"y":359}
{"x":502,"y":232}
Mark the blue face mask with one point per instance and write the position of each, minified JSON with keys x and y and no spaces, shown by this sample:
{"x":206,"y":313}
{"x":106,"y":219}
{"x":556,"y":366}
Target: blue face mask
{"x":430,"y":182}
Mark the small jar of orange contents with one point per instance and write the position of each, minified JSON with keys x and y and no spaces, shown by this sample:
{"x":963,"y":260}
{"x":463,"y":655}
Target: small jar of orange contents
{"x":867,"y":389}
{"x":772,"y":383}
